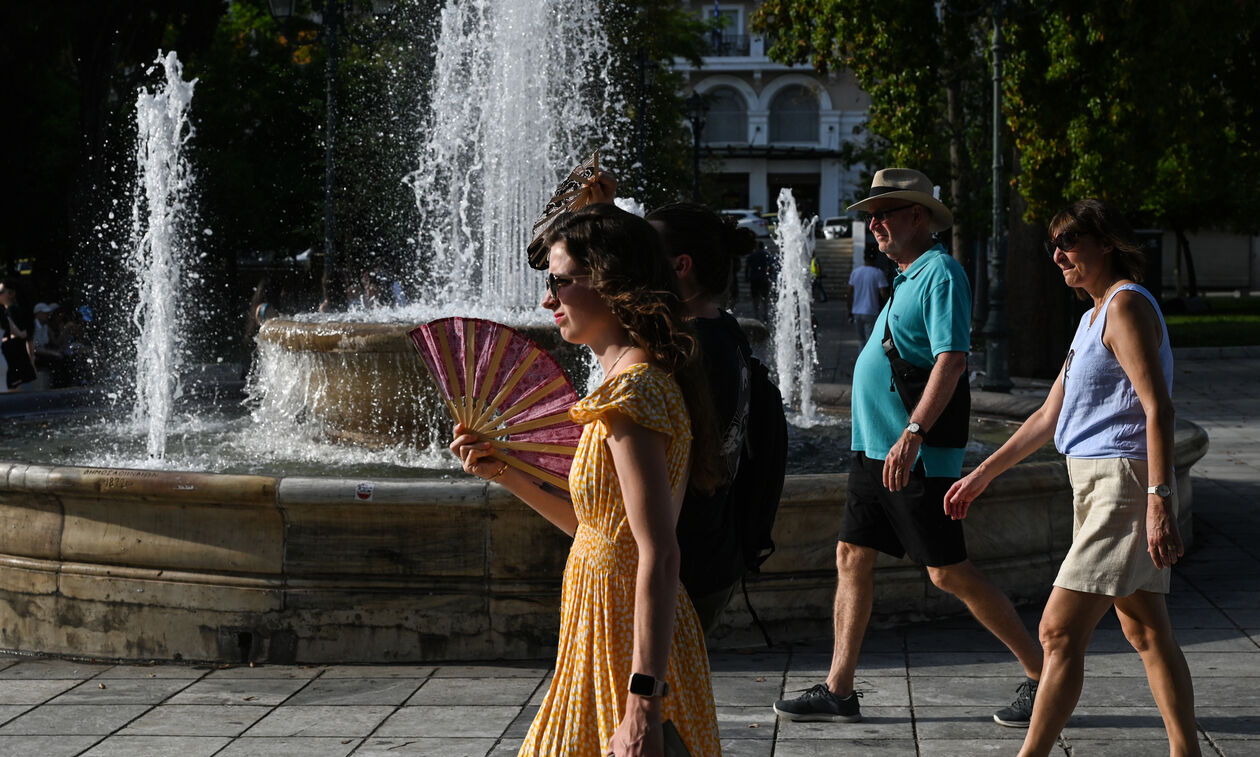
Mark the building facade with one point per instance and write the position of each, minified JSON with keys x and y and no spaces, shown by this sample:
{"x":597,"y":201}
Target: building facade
{"x":768,"y":125}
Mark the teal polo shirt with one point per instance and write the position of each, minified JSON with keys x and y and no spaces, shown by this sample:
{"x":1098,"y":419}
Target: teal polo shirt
{"x":931,"y":314}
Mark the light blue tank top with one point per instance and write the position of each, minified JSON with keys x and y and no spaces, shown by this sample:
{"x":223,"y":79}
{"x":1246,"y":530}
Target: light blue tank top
{"x":1101,"y":415}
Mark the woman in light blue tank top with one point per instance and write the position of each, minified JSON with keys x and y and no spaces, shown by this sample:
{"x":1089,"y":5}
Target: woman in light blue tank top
{"x":1110,"y":412}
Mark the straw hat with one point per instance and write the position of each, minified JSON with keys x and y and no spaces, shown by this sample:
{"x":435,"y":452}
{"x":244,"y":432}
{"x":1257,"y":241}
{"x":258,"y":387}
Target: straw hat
{"x":908,"y":184}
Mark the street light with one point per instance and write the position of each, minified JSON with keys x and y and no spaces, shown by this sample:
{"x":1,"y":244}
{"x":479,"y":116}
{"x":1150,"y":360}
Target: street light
{"x":332,"y":27}
{"x":996,"y":329}
{"x":697,"y":109}
{"x":647,"y":80}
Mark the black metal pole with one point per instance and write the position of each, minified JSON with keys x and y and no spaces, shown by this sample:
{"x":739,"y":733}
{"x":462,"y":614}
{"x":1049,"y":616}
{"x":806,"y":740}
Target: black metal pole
{"x":996,"y":330}
{"x":696,"y":125}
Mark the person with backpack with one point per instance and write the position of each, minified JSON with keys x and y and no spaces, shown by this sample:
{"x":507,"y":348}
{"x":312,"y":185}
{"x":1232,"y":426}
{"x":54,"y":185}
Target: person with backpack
{"x":910,"y":412}
{"x":724,"y":534}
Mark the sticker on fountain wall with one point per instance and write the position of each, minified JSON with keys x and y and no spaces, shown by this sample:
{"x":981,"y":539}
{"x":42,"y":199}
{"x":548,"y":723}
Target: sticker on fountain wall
{"x":364,"y":491}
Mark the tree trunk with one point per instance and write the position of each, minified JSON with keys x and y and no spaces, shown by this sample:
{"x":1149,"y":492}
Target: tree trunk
{"x":1183,"y":254}
{"x":1042,"y":312}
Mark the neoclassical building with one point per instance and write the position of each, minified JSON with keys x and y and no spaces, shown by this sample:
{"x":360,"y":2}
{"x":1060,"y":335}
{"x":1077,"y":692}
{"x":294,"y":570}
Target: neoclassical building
{"x":769,"y":125}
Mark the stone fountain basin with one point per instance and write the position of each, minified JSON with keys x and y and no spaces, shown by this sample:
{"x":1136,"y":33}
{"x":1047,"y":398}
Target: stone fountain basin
{"x":158,"y":565}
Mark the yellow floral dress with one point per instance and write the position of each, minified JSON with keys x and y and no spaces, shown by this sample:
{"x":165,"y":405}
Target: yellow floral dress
{"x":587,"y":696}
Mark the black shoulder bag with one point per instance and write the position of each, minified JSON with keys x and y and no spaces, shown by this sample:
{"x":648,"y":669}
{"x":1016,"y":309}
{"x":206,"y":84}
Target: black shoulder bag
{"x":909,"y":381}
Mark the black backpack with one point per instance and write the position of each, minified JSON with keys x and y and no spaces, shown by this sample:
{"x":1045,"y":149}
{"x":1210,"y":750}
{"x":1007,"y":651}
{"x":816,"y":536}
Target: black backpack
{"x":758,"y":483}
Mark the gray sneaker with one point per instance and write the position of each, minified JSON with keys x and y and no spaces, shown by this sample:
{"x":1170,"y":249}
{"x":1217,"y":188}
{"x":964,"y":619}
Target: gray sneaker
{"x":818,"y":703}
{"x":1019,"y":713}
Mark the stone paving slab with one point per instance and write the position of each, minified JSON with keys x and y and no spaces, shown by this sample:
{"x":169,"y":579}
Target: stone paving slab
{"x":159,"y":746}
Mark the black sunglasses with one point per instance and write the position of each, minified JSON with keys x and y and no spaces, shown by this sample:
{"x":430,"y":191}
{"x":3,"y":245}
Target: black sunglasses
{"x":556,"y":283}
{"x":882,"y":215}
{"x":1065,"y":241}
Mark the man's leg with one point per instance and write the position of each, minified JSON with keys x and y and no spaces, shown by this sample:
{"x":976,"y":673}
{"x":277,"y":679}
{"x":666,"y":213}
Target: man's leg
{"x":864,"y":524}
{"x":836,"y":699}
{"x":993,"y":609}
{"x":855,"y":593}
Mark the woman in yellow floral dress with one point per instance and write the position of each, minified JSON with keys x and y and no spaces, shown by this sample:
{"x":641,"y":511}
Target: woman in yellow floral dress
{"x":627,"y":630}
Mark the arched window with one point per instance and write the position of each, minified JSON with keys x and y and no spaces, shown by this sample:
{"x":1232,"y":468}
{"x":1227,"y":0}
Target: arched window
{"x":794,"y":115}
{"x":727,"y":119}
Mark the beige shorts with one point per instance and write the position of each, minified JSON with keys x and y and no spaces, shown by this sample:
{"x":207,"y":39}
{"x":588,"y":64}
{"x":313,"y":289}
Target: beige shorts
{"x":1108,"y":554}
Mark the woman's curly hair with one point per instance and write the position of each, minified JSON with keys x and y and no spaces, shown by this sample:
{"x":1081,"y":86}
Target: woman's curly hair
{"x":622,"y":254}
{"x":1101,"y":221}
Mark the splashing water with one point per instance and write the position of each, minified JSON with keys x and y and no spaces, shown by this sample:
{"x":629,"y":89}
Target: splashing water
{"x":519,"y":90}
{"x":160,"y":215}
{"x":795,"y":352}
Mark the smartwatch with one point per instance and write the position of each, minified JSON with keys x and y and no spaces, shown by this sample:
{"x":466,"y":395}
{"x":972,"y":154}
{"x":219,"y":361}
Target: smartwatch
{"x":647,"y":686}
{"x":1163,"y":490}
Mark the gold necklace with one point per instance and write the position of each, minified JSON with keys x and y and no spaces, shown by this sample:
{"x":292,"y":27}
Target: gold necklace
{"x":618,"y":360}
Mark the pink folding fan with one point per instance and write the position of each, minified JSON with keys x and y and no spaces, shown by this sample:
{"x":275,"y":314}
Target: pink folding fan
{"x":511,"y":392}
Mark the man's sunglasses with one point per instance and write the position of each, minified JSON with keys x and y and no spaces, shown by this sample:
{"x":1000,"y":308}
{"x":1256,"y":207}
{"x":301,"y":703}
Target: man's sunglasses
{"x":556,"y":283}
{"x":1065,"y":241}
{"x":879,"y":216}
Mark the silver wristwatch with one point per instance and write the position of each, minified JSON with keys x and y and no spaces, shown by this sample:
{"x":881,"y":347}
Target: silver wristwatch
{"x":1163,"y":490}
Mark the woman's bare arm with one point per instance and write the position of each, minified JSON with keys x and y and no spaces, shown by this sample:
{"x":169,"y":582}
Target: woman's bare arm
{"x":1133,"y":334}
{"x":640,"y":456}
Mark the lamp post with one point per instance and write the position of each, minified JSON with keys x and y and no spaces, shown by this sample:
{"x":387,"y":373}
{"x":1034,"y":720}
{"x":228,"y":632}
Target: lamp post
{"x":647,"y":78}
{"x":697,"y":109}
{"x":332,"y":27}
{"x":996,"y":330}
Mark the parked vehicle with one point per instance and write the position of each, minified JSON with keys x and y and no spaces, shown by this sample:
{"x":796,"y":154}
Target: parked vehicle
{"x":748,"y":219}
{"x":837,"y":227}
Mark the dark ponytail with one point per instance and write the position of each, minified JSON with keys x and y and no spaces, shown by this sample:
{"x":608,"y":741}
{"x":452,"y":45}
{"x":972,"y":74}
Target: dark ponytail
{"x":713,"y":242}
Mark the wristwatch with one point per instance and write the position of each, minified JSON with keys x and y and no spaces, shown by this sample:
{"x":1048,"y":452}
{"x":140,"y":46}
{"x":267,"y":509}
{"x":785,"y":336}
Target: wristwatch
{"x":914,"y":428}
{"x":1163,"y":490}
{"x":647,"y":686}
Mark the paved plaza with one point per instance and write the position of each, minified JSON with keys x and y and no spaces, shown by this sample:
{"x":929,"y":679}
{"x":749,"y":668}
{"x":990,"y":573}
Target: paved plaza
{"x":929,"y":690}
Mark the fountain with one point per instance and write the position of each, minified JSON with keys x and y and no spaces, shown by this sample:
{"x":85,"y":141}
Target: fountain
{"x":308,"y":562}
{"x":795,"y":354}
{"x":160,"y":215}
{"x":506,"y":114}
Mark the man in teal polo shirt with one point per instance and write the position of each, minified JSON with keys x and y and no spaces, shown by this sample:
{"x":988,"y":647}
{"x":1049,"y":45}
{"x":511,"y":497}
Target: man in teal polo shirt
{"x":897,"y":484}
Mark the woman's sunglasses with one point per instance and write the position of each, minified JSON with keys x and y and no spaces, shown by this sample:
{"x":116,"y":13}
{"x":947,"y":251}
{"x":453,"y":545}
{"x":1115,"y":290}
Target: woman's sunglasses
{"x":1065,"y":241}
{"x":556,"y":283}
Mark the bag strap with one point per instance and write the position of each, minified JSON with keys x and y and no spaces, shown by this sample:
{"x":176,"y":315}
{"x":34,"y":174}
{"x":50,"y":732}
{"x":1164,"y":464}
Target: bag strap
{"x":890,"y":346}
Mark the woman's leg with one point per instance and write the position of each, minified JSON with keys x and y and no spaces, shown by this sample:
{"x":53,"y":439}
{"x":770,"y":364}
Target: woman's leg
{"x":1067,"y":624}
{"x":1144,"y":618}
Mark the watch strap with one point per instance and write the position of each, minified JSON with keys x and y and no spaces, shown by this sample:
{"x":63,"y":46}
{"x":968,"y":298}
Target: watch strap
{"x":645,"y":685}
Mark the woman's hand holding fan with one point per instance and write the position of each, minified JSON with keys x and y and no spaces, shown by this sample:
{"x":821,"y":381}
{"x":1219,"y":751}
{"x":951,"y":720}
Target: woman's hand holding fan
{"x":507,"y":393}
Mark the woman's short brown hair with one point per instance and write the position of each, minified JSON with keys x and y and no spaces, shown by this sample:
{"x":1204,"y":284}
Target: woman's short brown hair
{"x":1108,"y":225}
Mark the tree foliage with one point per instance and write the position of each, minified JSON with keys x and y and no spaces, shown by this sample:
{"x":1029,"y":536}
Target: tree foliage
{"x":1150,"y":105}
{"x":926,"y":77}
{"x":653,"y":155}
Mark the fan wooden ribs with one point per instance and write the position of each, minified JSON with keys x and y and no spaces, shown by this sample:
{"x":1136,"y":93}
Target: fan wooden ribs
{"x":526,"y":418}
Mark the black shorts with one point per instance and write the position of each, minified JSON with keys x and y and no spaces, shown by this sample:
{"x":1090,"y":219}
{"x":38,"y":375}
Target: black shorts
{"x":911,"y":521}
